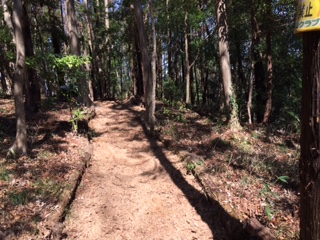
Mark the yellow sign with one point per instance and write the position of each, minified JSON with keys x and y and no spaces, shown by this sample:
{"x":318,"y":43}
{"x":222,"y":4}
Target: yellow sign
{"x":308,"y":16}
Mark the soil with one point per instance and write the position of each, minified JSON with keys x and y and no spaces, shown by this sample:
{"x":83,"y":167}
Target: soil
{"x":194,"y":178}
{"x":134,"y":188}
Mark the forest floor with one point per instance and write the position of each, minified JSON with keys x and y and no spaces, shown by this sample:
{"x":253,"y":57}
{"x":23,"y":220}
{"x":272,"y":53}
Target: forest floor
{"x":138,"y":186}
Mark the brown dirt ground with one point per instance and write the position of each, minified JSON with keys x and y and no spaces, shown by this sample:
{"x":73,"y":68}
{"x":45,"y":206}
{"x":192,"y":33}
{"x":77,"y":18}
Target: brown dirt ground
{"x":137,"y":187}
{"x":134,"y":189}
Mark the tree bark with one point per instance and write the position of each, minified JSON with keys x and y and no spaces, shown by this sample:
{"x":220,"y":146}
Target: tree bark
{"x":108,"y":44}
{"x":268,"y":109}
{"x":4,"y":86}
{"x":259,"y":74}
{"x":223,"y":32}
{"x":310,"y":139}
{"x":254,"y":39}
{"x":73,"y":28}
{"x":149,"y":90}
{"x":187,"y":59}
{"x":75,"y":50}
{"x":139,"y":84}
{"x":154,"y":49}
{"x":56,"y":42}
{"x":169,"y":41}
{"x":32,"y":89}
{"x":20,"y":144}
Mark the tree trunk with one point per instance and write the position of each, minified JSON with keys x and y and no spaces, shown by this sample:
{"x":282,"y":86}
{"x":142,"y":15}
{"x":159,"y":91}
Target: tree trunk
{"x":268,"y":108}
{"x":32,"y":89}
{"x":56,"y":42}
{"x":108,"y":44}
{"x":4,"y":86}
{"x":187,"y":60}
{"x":73,"y":28}
{"x":149,"y":90}
{"x":7,"y":17}
{"x":310,"y":139}
{"x":259,"y":74}
{"x":169,"y":48}
{"x":136,"y":70}
{"x":254,"y":39}
{"x":229,"y":96}
{"x":75,"y":50}
{"x":159,"y":73}
{"x":154,"y":50}
{"x":250,"y":93}
{"x":20,"y":144}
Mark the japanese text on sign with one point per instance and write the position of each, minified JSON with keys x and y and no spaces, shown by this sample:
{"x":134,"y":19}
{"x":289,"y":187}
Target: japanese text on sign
{"x":308,"y":16}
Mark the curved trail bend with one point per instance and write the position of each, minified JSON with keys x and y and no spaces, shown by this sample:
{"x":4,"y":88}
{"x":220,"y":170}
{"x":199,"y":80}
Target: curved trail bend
{"x":134,"y":188}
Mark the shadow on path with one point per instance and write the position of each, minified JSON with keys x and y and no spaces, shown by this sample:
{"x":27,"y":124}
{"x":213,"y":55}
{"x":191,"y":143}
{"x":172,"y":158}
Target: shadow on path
{"x":211,"y":213}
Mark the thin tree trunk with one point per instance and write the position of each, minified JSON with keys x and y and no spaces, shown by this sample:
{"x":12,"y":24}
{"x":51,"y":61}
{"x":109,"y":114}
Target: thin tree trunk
{"x":250,"y":93}
{"x":108,"y":44}
{"x":154,"y":50}
{"x":169,"y":48}
{"x":91,"y":39}
{"x":149,"y":91}
{"x":187,"y":60}
{"x":159,"y":73}
{"x":310,"y":139}
{"x":268,"y":108}
{"x":4,"y":86}
{"x":20,"y":144}
{"x":88,"y":50}
{"x":197,"y":95}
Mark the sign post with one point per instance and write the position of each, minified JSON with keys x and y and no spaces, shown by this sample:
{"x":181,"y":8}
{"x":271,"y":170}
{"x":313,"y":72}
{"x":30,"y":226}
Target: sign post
{"x":308,"y":16}
{"x":308,"y":25}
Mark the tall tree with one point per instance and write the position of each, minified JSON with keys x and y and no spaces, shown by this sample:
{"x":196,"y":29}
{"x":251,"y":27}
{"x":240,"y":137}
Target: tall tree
{"x":20,"y":144}
{"x":149,"y":89}
{"x":310,"y":139}
{"x":268,"y":108}
{"x":223,"y":34}
{"x":154,"y":47}
{"x":108,"y":45}
{"x":32,"y":89}
{"x":75,"y":50}
{"x":187,"y":56}
{"x":89,"y":49}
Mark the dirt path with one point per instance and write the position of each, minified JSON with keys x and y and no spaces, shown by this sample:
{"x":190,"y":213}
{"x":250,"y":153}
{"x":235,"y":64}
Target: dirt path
{"x":134,"y":189}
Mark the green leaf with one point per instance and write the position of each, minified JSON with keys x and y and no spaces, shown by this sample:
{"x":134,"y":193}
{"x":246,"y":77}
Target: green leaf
{"x":283,"y":179}
{"x":269,"y":212}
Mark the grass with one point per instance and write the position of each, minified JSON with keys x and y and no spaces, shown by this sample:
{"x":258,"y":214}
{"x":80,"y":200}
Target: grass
{"x":5,"y":174}
{"x":20,"y":197}
{"x":44,"y":154}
